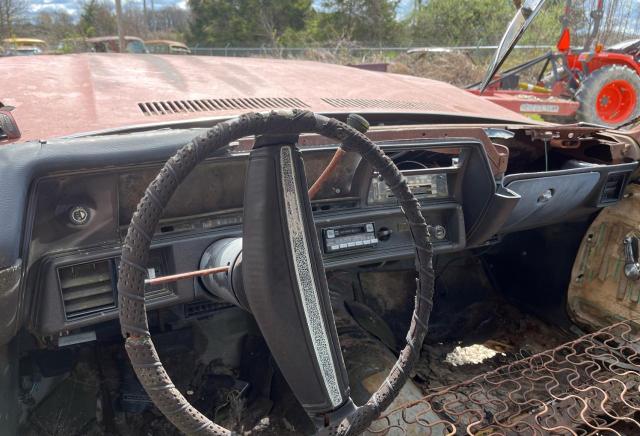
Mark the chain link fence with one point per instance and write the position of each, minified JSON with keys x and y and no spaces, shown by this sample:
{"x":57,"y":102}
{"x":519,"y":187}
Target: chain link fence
{"x":459,"y":65}
{"x":355,"y":52}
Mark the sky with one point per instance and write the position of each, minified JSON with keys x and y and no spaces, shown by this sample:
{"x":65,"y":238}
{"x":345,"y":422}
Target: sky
{"x":73,"y":6}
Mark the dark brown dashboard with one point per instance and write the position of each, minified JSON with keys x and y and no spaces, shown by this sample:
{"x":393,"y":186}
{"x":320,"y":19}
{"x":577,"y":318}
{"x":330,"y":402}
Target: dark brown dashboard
{"x":81,"y":218}
{"x":79,"y":208}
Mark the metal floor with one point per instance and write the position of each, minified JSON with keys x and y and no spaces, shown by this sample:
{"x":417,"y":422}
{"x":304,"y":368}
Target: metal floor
{"x":585,"y":387}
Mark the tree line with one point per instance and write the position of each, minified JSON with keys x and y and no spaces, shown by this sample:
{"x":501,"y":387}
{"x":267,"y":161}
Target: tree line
{"x":95,"y":18}
{"x":309,"y":23}
{"x":330,"y":22}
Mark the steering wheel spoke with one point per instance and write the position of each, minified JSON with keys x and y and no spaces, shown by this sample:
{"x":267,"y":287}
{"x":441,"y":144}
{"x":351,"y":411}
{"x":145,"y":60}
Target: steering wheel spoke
{"x":284,"y":279}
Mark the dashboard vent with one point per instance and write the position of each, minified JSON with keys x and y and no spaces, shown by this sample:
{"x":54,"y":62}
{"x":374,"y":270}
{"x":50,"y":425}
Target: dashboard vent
{"x":170,"y":107}
{"x":381,"y":104}
{"x":612,"y":189}
{"x":87,"y":288}
{"x":91,"y":287}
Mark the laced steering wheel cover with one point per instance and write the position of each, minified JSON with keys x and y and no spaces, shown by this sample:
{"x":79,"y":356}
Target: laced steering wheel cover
{"x":135,"y":252}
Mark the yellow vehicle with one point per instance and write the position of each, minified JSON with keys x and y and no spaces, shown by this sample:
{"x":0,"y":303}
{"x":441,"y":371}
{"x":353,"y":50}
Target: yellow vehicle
{"x":163,"y":46}
{"x":23,"y":46}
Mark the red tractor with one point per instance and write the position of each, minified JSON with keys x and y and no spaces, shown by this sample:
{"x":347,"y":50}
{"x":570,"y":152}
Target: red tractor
{"x":594,"y":84}
{"x":606,"y":82}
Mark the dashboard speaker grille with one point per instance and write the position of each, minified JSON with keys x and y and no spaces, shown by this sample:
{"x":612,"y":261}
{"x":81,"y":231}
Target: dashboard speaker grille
{"x":382,"y":104}
{"x":170,"y":107}
{"x":87,"y":288}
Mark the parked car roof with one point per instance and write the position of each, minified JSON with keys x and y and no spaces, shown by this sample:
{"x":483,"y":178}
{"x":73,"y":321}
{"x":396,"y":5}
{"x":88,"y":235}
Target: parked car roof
{"x":112,"y":38}
{"x":166,"y":42}
{"x":24,"y":41}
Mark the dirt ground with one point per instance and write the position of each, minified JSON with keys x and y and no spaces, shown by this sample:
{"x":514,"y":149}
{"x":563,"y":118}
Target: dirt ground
{"x":101,"y":395}
{"x":512,"y":334}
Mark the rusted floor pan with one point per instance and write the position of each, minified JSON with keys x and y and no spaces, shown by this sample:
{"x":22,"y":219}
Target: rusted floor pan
{"x":588,"y":386}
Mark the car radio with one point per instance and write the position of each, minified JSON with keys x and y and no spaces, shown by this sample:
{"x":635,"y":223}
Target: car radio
{"x":349,"y":237}
{"x":432,"y":185}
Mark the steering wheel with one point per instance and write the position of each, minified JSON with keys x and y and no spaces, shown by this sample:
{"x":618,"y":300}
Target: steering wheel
{"x":283,"y":279}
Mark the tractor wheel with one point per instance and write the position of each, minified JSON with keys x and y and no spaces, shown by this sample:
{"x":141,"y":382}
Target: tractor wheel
{"x":609,"y":96}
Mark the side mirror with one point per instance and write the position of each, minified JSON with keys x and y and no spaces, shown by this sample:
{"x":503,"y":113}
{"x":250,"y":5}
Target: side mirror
{"x":520,"y":22}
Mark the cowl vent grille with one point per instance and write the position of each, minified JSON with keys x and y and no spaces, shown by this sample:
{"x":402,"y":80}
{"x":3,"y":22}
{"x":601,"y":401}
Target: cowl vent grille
{"x":381,"y":104}
{"x":170,"y":107}
{"x":87,"y":288}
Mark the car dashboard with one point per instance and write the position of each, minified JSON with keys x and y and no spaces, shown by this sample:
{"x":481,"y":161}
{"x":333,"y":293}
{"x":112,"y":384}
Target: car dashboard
{"x":68,"y":212}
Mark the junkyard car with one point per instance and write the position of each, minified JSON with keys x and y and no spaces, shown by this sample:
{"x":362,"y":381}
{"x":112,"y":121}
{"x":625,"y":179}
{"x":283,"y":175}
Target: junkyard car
{"x":23,"y":46}
{"x":161,"y":46}
{"x":111,"y":44}
{"x":209,"y":245}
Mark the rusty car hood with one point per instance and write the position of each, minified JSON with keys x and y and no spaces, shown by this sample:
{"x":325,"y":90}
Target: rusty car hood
{"x":66,"y":95}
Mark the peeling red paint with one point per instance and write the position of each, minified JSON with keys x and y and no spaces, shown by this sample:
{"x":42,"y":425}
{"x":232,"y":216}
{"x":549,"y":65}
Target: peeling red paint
{"x":68,"y":94}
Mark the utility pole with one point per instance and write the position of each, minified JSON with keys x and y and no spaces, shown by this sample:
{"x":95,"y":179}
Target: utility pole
{"x":417,"y":5}
{"x":153,"y":17}
{"x":119,"y":24}
{"x":146,"y":16}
